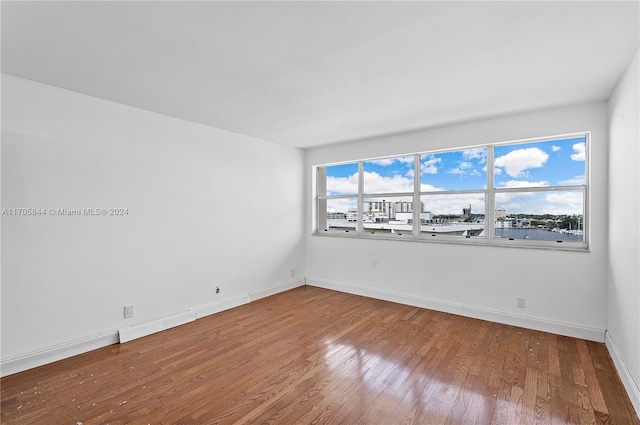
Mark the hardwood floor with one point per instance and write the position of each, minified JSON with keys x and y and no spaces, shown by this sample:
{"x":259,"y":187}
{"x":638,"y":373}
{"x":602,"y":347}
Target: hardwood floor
{"x":313,"y":356}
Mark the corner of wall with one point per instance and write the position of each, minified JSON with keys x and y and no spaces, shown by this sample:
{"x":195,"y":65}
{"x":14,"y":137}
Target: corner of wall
{"x":632,"y":387}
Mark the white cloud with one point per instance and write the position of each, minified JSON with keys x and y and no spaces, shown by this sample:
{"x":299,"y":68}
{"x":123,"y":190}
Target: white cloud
{"x":555,"y":148}
{"x":573,"y":181}
{"x":557,"y":203}
{"x":342,"y":185}
{"x":375,"y":183}
{"x":524,"y":183}
{"x":506,"y":200}
{"x":563,"y":203}
{"x":511,"y":207}
{"x":462,"y":168}
{"x":503,"y":198}
{"x":453,"y":204}
{"x":383,"y":162}
{"x":430,"y":165}
{"x":424,"y":187}
{"x":518,"y":161}
{"x":406,"y":159}
{"x":341,"y":205}
{"x":579,"y":149}
{"x":479,"y":153}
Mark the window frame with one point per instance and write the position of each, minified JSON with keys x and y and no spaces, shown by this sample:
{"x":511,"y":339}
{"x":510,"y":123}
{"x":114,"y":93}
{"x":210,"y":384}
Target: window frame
{"x":490,"y":191}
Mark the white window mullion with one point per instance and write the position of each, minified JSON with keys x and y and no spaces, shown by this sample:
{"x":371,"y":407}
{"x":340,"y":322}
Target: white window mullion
{"x":490,"y":204}
{"x":586,"y":207}
{"x":360,"y":223}
{"x":417,"y":206}
{"x":585,"y":214}
{"x":321,"y":204}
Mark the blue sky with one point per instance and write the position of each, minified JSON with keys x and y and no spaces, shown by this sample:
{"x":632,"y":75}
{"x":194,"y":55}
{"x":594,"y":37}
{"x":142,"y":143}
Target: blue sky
{"x":549,"y":163}
{"x":555,"y":163}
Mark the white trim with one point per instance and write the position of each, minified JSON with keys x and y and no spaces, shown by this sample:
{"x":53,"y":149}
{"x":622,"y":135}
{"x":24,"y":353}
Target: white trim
{"x":49,"y":355}
{"x":52,"y":354}
{"x":632,"y":387}
{"x":360,"y":199}
{"x":218,"y":306}
{"x":460,"y":240}
{"x":560,"y":328}
{"x":267,"y":292}
{"x":147,"y":328}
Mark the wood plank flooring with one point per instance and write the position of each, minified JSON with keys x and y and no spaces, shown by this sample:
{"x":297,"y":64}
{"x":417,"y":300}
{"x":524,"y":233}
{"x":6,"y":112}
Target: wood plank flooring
{"x":313,"y":356}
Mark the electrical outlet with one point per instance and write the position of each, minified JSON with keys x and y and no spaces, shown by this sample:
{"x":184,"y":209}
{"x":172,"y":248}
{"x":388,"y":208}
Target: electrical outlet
{"x":217,"y":289}
{"x":128,"y":311}
{"x":293,"y":272}
{"x":521,"y":302}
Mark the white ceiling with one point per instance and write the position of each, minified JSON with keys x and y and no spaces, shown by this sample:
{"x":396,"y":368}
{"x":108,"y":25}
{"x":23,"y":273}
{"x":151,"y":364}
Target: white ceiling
{"x":313,"y":73}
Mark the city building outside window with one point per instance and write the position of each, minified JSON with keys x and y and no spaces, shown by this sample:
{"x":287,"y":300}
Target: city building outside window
{"x":523,"y":193}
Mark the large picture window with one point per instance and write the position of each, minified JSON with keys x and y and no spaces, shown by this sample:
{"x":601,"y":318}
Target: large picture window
{"x":525,"y":193}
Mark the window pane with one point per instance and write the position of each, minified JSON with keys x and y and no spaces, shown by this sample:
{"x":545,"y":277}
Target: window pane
{"x":342,"y":179}
{"x":388,"y":215}
{"x":389,"y":175}
{"x":556,"y":216}
{"x":453,"y":215}
{"x":459,"y":170}
{"x":342,"y":214}
{"x":550,"y":163}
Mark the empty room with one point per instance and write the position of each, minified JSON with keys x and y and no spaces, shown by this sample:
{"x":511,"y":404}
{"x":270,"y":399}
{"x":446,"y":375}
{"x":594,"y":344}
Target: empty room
{"x":320,"y":212}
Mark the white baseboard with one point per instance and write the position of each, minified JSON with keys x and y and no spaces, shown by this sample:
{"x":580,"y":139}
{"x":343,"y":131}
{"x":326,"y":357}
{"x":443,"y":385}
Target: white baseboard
{"x":49,"y":355}
{"x":632,"y":387}
{"x":58,"y":352}
{"x":218,"y":306}
{"x":560,"y":328}
{"x":276,"y":289}
{"x":147,"y":328}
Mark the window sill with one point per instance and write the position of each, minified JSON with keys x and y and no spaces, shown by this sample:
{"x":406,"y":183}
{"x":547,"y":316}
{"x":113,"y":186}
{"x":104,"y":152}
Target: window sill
{"x":478,"y":241}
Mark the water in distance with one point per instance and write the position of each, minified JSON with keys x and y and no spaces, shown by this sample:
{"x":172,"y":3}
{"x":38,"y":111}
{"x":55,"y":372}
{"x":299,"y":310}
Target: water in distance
{"x":537,"y":234}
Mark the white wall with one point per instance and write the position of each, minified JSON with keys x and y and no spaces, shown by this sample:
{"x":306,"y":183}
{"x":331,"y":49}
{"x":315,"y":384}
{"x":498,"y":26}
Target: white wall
{"x":623,"y":294}
{"x":206,"y":207}
{"x":564,"y":291}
